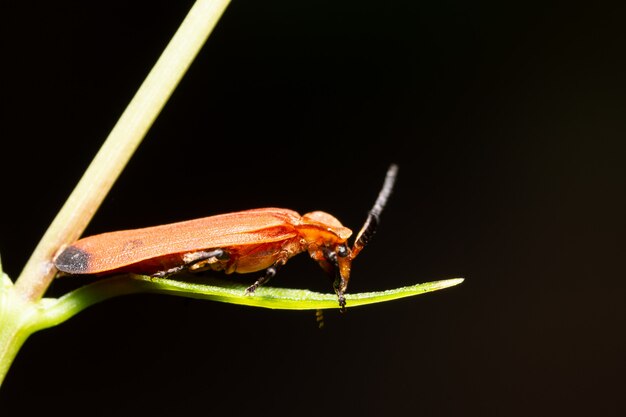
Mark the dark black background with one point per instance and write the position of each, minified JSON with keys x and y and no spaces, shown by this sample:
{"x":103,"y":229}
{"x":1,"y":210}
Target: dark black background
{"x":508,"y":125}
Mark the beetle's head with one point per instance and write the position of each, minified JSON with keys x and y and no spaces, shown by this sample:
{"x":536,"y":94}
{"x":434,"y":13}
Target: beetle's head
{"x":327,"y":239}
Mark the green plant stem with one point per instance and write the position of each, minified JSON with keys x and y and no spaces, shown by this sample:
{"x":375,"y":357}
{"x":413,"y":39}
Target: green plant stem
{"x":131,"y":128}
{"x":18,"y":318}
{"x":22,"y":309}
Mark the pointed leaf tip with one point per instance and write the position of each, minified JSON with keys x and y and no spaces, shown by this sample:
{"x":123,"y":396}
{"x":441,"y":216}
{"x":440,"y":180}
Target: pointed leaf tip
{"x":281,"y":298}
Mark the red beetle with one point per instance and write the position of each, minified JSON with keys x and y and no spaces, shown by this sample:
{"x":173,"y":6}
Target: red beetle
{"x":245,"y":241}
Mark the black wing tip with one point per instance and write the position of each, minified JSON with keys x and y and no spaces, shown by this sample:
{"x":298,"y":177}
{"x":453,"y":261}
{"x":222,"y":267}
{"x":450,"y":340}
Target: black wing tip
{"x":73,"y":260}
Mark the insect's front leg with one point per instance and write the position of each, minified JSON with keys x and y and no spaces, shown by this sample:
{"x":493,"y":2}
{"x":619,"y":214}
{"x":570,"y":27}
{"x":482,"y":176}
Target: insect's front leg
{"x":270,"y":272}
{"x":327,"y":259}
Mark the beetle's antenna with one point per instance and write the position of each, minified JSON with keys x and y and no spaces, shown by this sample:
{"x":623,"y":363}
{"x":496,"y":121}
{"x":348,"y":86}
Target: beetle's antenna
{"x":371,"y":223}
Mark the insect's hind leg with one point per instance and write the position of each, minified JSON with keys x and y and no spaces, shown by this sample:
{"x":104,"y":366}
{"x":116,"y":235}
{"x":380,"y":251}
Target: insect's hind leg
{"x":199,"y":260}
{"x":195,"y":261}
{"x":168,"y":272}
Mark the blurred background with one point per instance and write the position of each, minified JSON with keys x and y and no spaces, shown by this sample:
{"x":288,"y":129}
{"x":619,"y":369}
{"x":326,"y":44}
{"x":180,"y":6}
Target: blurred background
{"x":507,"y":122}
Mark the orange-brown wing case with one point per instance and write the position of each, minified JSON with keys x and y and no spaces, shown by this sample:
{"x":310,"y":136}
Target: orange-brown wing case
{"x":113,"y":251}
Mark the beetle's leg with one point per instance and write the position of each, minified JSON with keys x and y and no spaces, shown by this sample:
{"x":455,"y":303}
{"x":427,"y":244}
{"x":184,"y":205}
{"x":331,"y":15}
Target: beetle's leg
{"x":168,"y":272}
{"x":340,"y":297}
{"x":319,"y":317}
{"x":194,"y":261}
{"x":331,"y":266}
{"x":269,"y":273}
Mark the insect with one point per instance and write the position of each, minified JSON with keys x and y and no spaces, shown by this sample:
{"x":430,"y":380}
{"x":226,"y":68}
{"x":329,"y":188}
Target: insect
{"x":243,"y":242}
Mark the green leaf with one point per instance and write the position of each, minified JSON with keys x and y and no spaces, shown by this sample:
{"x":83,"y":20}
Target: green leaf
{"x":285,"y":298}
{"x":59,"y":310}
{"x":22,"y":317}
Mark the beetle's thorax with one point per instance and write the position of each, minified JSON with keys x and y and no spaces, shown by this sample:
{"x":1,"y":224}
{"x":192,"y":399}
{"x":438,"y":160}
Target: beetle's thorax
{"x":319,"y":228}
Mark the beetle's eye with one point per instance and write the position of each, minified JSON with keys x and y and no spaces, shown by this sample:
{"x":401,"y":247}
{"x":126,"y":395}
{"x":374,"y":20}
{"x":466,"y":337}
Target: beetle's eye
{"x":342,"y":251}
{"x":331,"y":256}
